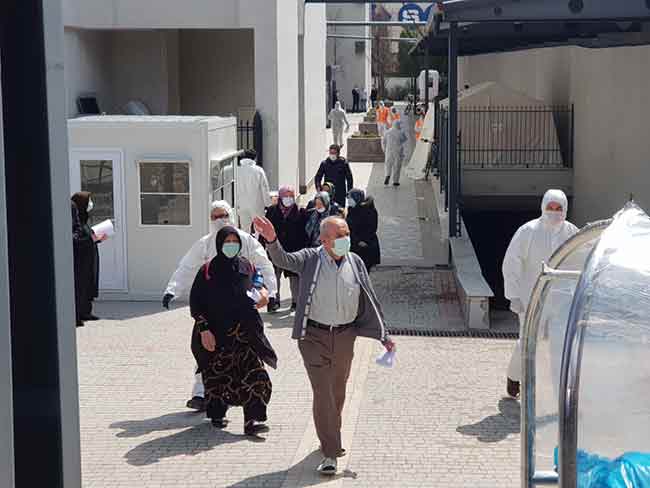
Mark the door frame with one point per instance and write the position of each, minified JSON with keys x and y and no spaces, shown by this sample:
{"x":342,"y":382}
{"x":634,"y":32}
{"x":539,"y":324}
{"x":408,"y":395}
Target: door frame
{"x":117,"y":156}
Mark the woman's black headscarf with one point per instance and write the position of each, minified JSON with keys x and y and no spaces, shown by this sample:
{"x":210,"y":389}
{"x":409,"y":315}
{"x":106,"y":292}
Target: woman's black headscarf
{"x":219,"y":296}
{"x":81,"y":199}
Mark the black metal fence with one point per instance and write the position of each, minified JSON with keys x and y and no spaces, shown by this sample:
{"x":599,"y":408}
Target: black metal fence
{"x":250,"y":136}
{"x":513,"y":137}
{"x":503,"y":137}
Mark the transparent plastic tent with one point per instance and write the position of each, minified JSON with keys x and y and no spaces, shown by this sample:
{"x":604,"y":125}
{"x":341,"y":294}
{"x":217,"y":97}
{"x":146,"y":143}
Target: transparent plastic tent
{"x":586,"y":347}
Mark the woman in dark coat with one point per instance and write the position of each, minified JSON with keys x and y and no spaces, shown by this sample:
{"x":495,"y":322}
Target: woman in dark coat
{"x":86,"y":257}
{"x":323,"y":208}
{"x":228,"y":340}
{"x":289,"y":221}
{"x":363,"y":220}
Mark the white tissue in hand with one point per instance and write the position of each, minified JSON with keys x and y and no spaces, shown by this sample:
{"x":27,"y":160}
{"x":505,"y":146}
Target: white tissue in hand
{"x":254,"y":295}
{"x":387,"y":360}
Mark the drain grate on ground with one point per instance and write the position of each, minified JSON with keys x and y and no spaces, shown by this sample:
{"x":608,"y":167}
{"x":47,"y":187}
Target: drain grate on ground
{"x":467,"y":333}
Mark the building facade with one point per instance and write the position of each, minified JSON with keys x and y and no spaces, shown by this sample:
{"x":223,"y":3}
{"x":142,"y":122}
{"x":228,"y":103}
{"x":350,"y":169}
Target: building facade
{"x":608,"y":88}
{"x":203,"y":57}
{"x":350,"y":59}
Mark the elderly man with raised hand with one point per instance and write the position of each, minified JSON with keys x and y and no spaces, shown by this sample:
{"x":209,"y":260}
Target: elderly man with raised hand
{"x":533,"y":243}
{"x":336,"y":304}
{"x":202,"y":252}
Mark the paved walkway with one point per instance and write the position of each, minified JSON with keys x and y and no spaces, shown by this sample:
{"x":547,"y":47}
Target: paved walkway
{"x":437,"y":419}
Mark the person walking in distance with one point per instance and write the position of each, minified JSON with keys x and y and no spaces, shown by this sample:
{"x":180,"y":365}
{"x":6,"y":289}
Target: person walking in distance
{"x":336,"y":305}
{"x":355,"y":99}
{"x":363,"y":221}
{"x":338,"y":119}
{"x":394,"y":141}
{"x":202,"y":252}
{"x":364,"y":100}
{"x":253,"y":193}
{"x":335,"y":169}
{"x":382,"y":121}
{"x":532,"y":244}
{"x":373,"y":96}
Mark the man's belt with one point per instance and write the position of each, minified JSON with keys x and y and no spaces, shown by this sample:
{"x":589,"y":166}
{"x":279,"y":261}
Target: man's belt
{"x":318,"y":325}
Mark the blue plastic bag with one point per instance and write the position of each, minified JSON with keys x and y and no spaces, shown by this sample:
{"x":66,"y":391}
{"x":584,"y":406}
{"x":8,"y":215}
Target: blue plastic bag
{"x":631,"y":470}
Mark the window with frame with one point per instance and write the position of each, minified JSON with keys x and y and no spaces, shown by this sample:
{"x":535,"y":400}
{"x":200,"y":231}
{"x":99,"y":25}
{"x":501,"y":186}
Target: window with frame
{"x":164,"y":192}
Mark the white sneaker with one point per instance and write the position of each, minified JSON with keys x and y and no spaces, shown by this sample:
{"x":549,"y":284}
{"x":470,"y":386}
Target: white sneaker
{"x":327,"y":467}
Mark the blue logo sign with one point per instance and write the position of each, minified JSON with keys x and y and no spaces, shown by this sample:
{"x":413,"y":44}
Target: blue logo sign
{"x":410,"y":12}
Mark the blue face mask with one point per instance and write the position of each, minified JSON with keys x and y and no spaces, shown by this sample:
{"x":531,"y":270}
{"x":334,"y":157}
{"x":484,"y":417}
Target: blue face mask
{"x":231,"y":249}
{"x":351,"y":203}
{"x":342,"y":246}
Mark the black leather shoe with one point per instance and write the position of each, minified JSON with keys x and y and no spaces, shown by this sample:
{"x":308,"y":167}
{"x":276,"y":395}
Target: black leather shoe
{"x":513,"y":388}
{"x":387,"y":180}
{"x":90,"y":318}
{"x":80,"y":323}
{"x":254,"y":428}
{"x":196,"y":403}
{"x":293,"y":307}
{"x":395,"y":184}
{"x":273,"y":306}
{"x":219,"y":423}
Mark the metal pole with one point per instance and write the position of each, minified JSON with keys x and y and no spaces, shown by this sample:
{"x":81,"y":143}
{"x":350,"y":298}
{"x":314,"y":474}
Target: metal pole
{"x":39,"y":244}
{"x":452,"y":145}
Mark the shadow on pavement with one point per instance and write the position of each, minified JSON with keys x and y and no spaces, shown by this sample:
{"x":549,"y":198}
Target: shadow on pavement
{"x":189,"y":442}
{"x":498,"y":427}
{"x":108,"y":310}
{"x":301,"y":475}
{"x":170,"y":421}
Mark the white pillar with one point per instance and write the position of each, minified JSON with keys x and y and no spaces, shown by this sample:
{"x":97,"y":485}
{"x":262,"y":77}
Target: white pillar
{"x":275,"y":23}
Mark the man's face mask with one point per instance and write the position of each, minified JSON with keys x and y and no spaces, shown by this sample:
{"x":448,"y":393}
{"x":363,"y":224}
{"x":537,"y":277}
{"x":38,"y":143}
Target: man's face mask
{"x":288,"y":201}
{"x":351,"y":203}
{"x":333,"y":156}
{"x":231,"y":249}
{"x":219,"y":223}
{"x":554,"y":217}
{"x":341,"y":246}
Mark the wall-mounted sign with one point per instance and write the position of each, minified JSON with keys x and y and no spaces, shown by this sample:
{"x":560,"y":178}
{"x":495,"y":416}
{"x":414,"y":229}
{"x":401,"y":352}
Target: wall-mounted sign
{"x":411,"y":12}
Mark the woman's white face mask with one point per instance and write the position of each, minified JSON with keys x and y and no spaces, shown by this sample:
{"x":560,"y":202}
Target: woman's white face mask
{"x":90,"y":206}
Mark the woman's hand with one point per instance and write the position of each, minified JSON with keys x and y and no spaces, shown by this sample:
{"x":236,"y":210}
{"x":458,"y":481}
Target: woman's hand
{"x":264,"y":301}
{"x":208,"y":341}
{"x":100,"y":237}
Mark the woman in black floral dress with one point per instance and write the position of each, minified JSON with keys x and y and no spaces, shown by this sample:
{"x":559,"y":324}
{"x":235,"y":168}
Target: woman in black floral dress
{"x":228,"y":339}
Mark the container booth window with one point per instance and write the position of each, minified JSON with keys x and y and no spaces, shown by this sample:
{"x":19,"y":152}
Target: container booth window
{"x":223,"y":175}
{"x":164,"y":192}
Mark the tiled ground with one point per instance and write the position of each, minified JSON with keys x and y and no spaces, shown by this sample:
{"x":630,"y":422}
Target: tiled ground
{"x":437,"y":419}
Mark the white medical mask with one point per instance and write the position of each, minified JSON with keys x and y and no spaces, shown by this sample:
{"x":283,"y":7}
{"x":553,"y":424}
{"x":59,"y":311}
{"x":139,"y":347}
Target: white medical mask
{"x":218,"y":224}
{"x":288,"y":201}
{"x":333,"y":157}
{"x":351,"y":203}
{"x":342,"y":246}
{"x":231,"y":249}
{"x":90,"y":206}
{"x":320,"y":210}
{"x":554,"y":217}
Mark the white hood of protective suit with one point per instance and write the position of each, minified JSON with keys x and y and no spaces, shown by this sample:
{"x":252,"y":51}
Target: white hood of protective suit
{"x":216,"y":226}
{"x":534,"y":243}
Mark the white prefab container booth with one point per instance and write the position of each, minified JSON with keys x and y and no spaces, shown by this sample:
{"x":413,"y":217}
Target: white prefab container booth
{"x":154,"y":177}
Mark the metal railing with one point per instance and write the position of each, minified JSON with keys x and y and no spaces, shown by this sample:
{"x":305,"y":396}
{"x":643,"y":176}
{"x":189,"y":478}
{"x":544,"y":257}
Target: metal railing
{"x":249,"y":136}
{"x":514,"y":137}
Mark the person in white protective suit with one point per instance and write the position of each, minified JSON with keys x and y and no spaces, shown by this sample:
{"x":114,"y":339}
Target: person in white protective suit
{"x":203,"y":251}
{"x":534,"y":243}
{"x":253,"y":192}
{"x":338,"y":119}
{"x":394,"y":141}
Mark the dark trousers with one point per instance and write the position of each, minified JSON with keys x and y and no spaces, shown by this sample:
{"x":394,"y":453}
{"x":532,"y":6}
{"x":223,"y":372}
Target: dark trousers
{"x":355,"y":103}
{"x":328,"y":359}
